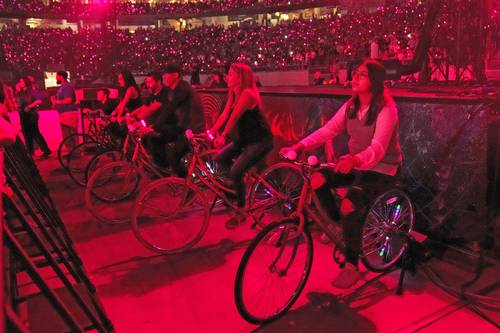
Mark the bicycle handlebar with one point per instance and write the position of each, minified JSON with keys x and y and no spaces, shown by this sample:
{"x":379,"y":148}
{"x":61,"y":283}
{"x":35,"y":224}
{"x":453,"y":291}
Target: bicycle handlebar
{"x":197,"y":138}
{"x":311,"y":162}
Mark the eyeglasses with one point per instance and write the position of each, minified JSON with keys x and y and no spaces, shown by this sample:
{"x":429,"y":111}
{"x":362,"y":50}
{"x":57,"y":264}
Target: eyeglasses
{"x":358,"y":74}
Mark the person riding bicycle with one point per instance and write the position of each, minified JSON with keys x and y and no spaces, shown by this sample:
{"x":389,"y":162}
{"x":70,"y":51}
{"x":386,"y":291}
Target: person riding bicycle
{"x":149,"y":112}
{"x":370,"y":118}
{"x":251,"y":136}
{"x":180,"y":110}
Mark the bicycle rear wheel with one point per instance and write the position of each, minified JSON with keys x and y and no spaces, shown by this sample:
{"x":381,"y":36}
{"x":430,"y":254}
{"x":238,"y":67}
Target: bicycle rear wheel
{"x":273,"y":271}
{"x":63,"y":146}
{"x":283,"y":178}
{"x":79,"y":159}
{"x":387,"y":223}
{"x":170,"y":215}
{"x":111,"y":191}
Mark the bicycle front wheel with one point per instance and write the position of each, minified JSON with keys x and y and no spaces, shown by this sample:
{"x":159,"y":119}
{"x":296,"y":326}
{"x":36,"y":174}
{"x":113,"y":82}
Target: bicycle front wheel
{"x":273,"y":271}
{"x":100,"y":160}
{"x":275,"y":193}
{"x":170,"y":215}
{"x":111,"y":191}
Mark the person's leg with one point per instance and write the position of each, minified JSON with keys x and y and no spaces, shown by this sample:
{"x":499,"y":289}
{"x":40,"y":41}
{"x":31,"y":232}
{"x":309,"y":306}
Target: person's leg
{"x":159,"y":151}
{"x":322,"y":182}
{"x":69,"y":122}
{"x":38,"y":137}
{"x":175,"y":155}
{"x":249,"y":156}
{"x":353,"y":209}
{"x":27,"y":133}
{"x":227,"y":153}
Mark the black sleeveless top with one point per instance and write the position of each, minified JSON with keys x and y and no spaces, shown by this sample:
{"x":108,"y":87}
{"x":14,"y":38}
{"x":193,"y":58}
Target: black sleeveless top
{"x":252,"y":127}
{"x":132,"y":103}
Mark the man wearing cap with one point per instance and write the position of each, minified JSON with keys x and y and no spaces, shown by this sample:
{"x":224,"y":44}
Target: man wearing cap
{"x":150,"y":111}
{"x":183,"y":111}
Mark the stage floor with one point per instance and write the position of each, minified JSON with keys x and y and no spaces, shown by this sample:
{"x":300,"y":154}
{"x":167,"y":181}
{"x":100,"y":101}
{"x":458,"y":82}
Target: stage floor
{"x":143,"y":292}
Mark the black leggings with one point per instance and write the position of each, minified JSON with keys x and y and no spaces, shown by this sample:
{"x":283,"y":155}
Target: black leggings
{"x":31,"y":131}
{"x":167,"y":154}
{"x":245,"y":157}
{"x":371,"y":184}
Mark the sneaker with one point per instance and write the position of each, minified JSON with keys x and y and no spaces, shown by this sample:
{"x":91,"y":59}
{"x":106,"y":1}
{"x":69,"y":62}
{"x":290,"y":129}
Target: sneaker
{"x":347,"y":277}
{"x":235,"y":221}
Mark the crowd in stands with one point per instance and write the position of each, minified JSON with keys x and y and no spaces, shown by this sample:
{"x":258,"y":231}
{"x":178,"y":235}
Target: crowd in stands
{"x":94,"y":53}
{"x":124,"y":8}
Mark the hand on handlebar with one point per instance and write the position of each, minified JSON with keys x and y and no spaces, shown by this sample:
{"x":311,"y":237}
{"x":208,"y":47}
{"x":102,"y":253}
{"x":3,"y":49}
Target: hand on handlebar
{"x":219,"y":141}
{"x":143,"y":131}
{"x":289,"y":153}
{"x":345,"y":164}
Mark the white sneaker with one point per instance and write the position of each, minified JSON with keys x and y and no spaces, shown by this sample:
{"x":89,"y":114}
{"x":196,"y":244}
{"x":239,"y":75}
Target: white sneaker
{"x":347,"y":277}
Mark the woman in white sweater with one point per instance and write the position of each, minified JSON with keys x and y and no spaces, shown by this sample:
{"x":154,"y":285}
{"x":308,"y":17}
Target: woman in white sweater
{"x":370,"y":118}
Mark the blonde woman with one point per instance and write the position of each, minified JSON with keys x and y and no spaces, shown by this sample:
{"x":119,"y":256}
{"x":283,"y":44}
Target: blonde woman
{"x":243,"y":121}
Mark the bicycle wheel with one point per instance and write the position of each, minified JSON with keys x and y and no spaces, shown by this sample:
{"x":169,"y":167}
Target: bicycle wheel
{"x":63,"y":146}
{"x":101,"y":159}
{"x":111,"y":191}
{"x":273,"y":271}
{"x":284,"y":178}
{"x":387,"y":223}
{"x":79,"y":159}
{"x":170,"y":216}
{"x":219,"y":171}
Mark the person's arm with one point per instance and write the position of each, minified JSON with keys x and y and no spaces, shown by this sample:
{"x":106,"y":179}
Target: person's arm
{"x":146,"y":111}
{"x":121,"y":106}
{"x":330,"y":130}
{"x":36,"y":101}
{"x":63,"y":101}
{"x":386,"y":124}
{"x":245,"y":102}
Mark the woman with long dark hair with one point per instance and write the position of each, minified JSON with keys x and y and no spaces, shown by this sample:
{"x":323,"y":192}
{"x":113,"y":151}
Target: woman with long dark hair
{"x":250,"y":133}
{"x":130,"y":97}
{"x":370,"y":118}
{"x":28,"y":101}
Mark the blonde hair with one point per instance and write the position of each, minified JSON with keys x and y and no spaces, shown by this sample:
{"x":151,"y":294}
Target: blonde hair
{"x":247,"y":81}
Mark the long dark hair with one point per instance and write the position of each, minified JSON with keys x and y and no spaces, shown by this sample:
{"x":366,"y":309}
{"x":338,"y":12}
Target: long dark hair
{"x":26,"y":93}
{"x":129,"y":82}
{"x":376,"y":75}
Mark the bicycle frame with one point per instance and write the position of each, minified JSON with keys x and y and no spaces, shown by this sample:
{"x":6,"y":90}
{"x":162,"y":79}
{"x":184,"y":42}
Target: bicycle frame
{"x":197,"y":168}
{"x":141,"y":159}
{"x":304,"y":208}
